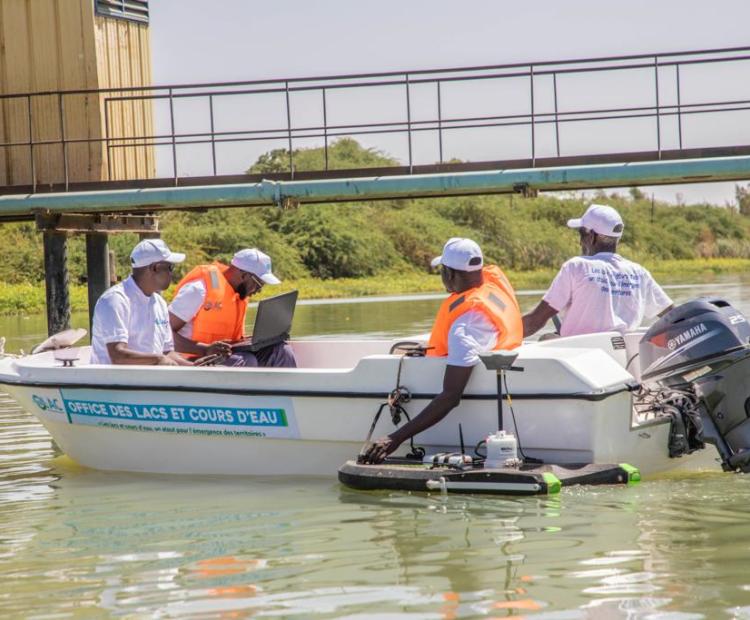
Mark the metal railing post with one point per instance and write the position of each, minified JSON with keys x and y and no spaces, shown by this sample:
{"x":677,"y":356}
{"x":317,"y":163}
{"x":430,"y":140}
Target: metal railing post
{"x":325,"y":128}
{"x":213,"y":132}
{"x":658,"y":116}
{"x":557,"y":124}
{"x":408,"y":123}
{"x":31,"y":144}
{"x":106,"y":138}
{"x":174,"y":137}
{"x":440,"y":122}
{"x":61,"y":108}
{"x":533,"y":136}
{"x":289,"y":129}
{"x":679,"y":106}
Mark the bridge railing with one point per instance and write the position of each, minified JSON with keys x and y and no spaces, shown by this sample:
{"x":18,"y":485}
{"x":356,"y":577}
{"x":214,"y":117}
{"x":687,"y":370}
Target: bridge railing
{"x":530,"y":114}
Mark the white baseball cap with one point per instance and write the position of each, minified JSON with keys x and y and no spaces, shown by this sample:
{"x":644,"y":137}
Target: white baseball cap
{"x":462,"y":254}
{"x":150,"y":251}
{"x":603,"y":220}
{"x":255,"y":261}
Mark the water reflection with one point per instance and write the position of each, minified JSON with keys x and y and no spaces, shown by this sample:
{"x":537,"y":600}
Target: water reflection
{"x":164,"y":546}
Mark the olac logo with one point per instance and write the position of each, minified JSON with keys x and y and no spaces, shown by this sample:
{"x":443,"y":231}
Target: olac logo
{"x":47,"y":404}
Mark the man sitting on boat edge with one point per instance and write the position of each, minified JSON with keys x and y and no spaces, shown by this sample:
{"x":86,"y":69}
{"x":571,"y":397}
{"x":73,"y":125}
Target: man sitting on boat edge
{"x":131,"y":321}
{"x":208,"y":311}
{"x":599,"y":291}
{"x":481,"y":314}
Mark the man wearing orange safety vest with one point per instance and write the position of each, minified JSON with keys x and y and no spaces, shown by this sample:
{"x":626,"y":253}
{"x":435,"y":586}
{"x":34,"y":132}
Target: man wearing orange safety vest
{"x":208,"y":310}
{"x":481,"y":314}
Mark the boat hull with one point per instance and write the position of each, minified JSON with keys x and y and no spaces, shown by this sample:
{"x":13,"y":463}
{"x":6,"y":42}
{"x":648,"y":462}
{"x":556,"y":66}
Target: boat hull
{"x":571,"y":404}
{"x":184,"y":432}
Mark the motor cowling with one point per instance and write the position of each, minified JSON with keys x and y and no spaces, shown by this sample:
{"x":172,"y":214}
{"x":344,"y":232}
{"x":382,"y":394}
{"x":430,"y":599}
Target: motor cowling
{"x":701,"y":351}
{"x":689,"y":335}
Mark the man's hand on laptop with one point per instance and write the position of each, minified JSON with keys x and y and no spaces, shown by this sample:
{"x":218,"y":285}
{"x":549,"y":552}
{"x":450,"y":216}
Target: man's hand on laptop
{"x":220,"y":347}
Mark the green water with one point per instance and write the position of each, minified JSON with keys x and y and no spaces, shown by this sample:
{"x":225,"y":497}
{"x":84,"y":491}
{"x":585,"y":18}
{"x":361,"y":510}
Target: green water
{"x":77,"y":543}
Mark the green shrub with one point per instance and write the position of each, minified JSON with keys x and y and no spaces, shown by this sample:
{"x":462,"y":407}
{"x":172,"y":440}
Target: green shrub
{"x":401,"y":236}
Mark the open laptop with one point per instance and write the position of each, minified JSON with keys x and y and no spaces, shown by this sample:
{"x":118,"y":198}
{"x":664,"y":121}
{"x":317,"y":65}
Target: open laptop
{"x":273,"y":322}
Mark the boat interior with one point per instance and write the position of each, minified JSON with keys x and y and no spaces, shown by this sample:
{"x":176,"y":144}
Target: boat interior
{"x":346,"y":354}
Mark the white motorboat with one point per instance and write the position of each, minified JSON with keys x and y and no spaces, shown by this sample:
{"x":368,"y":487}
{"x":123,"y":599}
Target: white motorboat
{"x":576,"y":401}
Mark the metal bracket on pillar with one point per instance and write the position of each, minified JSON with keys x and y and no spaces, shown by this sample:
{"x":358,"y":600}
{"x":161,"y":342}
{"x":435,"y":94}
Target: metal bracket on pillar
{"x":98,"y":223}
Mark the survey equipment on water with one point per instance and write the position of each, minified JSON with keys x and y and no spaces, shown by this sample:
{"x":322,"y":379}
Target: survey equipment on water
{"x":402,"y":475}
{"x":499,"y":472}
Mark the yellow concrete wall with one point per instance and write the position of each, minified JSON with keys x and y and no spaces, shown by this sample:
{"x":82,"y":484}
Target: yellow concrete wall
{"x":51,"y":45}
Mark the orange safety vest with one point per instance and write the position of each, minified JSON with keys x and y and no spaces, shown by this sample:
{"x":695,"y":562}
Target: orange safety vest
{"x":222,"y":316}
{"x":494,"y":297}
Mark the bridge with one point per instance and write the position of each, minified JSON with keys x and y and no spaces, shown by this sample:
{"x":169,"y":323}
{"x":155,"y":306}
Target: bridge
{"x":575,"y":115}
{"x":584,"y":123}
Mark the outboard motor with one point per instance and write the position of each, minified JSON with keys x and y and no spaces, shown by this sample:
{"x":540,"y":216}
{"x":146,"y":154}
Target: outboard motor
{"x":696,"y":366}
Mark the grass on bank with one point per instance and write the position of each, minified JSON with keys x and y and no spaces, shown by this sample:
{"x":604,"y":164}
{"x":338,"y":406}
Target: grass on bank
{"x":26,"y":299}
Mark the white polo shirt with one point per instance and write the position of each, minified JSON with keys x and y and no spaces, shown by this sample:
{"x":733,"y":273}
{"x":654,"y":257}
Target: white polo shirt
{"x":125,"y":314}
{"x":604,"y":292}
{"x":470,"y":334}
{"x":186,"y":305}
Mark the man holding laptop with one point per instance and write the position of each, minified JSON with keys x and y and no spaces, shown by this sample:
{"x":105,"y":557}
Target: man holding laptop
{"x":207,"y":314}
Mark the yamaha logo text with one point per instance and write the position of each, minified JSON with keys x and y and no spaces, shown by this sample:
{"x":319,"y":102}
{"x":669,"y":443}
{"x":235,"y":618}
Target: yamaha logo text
{"x":686,"y":336}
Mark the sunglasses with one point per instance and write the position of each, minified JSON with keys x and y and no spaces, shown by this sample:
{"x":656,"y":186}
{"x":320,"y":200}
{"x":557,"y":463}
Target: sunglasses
{"x":258,"y":282}
{"x":164,"y":267}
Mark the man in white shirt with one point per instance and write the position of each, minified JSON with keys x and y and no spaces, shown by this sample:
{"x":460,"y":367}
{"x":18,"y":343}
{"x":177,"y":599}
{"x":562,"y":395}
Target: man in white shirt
{"x":599,"y":291}
{"x":481,"y":314}
{"x":131,"y":322}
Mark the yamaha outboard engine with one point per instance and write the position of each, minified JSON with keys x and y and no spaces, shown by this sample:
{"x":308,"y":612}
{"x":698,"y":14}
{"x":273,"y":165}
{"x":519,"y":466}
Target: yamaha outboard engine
{"x":696,"y":363}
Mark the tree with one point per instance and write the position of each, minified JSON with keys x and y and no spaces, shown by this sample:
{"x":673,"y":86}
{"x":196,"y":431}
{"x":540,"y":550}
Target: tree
{"x":636,"y":194}
{"x":344,"y":153}
{"x":742,"y":194}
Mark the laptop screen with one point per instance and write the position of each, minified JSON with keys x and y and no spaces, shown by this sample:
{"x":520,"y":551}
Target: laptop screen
{"x":273,"y":320}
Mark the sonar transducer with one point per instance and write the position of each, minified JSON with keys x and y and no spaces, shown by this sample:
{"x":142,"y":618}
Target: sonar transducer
{"x":503,"y":470}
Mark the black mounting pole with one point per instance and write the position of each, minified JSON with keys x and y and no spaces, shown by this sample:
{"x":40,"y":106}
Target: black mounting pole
{"x":500,"y":376}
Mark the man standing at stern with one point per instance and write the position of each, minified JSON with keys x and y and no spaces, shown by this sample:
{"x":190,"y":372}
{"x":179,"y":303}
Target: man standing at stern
{"x":481,"y":314}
